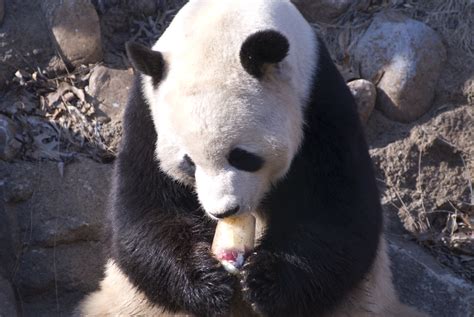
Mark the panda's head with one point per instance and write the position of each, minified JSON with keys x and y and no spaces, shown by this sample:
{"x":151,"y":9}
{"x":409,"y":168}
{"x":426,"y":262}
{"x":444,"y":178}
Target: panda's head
{"x":227,"y":116}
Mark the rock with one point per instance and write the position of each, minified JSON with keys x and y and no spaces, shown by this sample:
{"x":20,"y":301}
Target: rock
{"x":76,"y":30}
{"x":322,"y":10}
{"x":364,"y":93}
{"x":7,"y":298}
{"x":423,"y":283}
{"x":18,"y":192}
{"x":75,"y":267}
{"x":2,"y":11}
{"x":6,"y":242}
{"x":110,"y":88}
{"x":70,"y":270}
{"x":63,"y":222}
{"x":65,"y":209}
{"x":404,"y":57}
{"x":9,"y":146}
{"x":11,"y":193}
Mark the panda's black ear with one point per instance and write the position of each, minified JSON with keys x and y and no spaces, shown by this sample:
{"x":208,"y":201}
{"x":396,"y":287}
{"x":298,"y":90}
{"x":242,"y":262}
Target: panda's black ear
{"x":146,"y":61}
{"x":263,"y":47}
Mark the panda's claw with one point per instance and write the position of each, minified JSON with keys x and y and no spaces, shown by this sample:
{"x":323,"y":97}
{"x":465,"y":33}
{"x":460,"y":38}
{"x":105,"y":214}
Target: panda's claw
{"x":259,"y":284}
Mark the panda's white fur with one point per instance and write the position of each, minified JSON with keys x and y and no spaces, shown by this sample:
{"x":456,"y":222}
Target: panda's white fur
{"x":207,"y":120}
{"x":227,"y":110}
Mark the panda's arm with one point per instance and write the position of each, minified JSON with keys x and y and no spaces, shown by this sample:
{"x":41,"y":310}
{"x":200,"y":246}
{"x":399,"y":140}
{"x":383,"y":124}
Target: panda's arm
{"x":324,"y":225}
{"x":305,"y":270}
{"x":160,"y":238}
{"x":168,"y":258}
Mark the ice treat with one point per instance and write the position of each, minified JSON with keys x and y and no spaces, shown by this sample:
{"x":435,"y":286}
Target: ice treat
{"x":233,"y":240}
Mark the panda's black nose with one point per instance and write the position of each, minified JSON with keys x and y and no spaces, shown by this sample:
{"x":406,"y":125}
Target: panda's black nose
{"x":227,"y":213}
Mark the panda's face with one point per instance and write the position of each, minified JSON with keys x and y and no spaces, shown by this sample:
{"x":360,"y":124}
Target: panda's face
{"x":229,"y":140}
{"x":227,"y":126}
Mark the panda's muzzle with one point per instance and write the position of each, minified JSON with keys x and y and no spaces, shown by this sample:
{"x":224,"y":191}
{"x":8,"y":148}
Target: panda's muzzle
{"x":228,"y":213}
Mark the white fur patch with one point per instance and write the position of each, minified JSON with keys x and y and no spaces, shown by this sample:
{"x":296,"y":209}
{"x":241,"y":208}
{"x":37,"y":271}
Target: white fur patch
{"x":118,"y":297}
{"x":208,"y":104}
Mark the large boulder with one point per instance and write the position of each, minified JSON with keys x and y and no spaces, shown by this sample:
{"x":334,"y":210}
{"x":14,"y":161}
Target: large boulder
{"x":110,"y":89}
{"x":423,"y":283}
{"x":69,"y":268}
{"x":364,"y":93}
{"x":75,"y":29}
{"x":7,"y":299}
{"x":68,"y":206}
{"x":404,"y":57}
{"x":62,"y":222}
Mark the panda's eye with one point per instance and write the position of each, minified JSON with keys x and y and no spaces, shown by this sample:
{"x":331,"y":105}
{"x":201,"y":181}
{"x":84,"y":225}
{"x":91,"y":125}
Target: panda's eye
{"x":245,"y":161}
{"x":187,"y":165}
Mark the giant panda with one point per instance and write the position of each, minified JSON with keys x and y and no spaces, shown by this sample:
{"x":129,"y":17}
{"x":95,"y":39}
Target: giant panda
{"x":238,"y":108}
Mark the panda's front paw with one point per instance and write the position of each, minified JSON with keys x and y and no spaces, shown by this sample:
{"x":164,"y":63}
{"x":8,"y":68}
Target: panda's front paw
{"x":212,"y":287}
{"x":262,"y":284}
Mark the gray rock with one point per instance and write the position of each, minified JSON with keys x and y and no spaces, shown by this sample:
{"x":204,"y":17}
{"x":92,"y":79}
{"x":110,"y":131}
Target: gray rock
{"x":9,"y":146}
{"x":322,"y":10}
{"x":76,"y":30}
{"x":423,"y":283}
{"x":7,"y":298}
{"x":404,"y":58}
{"x":2,"y":11}
{"x":18,"y":192}
{"x":110,"y":88}
{"x":62,"y":210}
{"x":364,"y":93}
{"x":6,"y":241}
{"x":66,"y":268}
{"x":59,"y":229}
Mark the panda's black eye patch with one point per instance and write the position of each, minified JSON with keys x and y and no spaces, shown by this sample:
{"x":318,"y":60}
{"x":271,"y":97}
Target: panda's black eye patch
{"x":245,"y":161}
{"x":187,"y":165}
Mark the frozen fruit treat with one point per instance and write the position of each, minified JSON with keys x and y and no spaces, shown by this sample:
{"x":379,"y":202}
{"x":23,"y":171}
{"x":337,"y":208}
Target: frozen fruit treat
{"x":233,"y":240}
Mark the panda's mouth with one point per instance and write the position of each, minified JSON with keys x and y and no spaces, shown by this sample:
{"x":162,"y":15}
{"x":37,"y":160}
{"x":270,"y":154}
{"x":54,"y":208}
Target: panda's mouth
{"x":228,"y":213}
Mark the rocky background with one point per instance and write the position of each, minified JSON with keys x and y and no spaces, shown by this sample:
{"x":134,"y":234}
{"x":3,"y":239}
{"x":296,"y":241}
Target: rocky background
{"x":64,"y":79}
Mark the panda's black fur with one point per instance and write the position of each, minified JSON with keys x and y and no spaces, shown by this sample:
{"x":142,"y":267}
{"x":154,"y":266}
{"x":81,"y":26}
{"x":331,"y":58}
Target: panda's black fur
{"x":324,"y":218}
